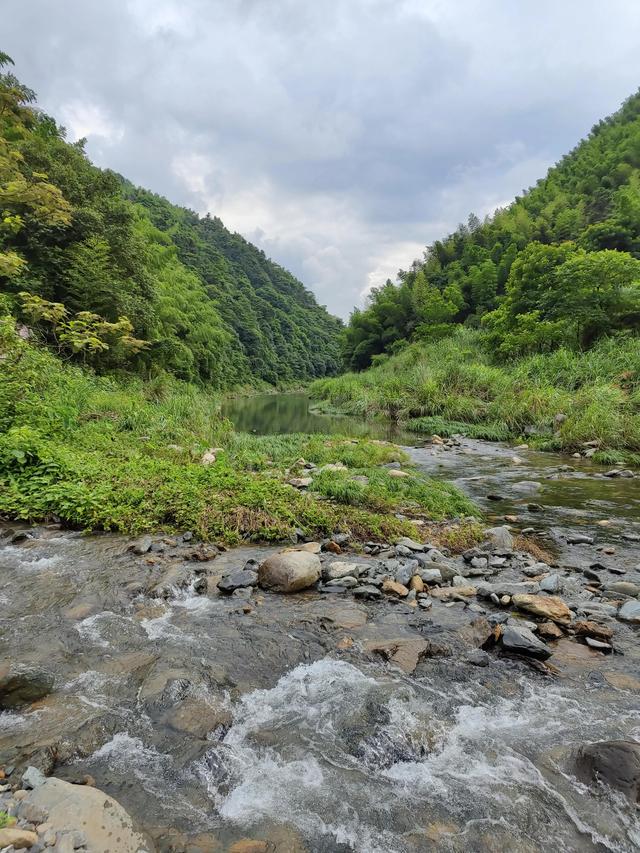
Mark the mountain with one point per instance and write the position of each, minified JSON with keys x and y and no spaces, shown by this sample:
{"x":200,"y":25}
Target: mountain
{"x":558,"y":267}
{"x":119,"y":278}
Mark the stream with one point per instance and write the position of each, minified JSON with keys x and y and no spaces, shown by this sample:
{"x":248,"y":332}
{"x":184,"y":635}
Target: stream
{"x":215,"y":718}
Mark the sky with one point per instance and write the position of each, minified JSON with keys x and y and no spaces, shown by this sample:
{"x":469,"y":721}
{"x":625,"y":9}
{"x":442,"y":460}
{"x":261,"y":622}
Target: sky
{"x":341,"y":136}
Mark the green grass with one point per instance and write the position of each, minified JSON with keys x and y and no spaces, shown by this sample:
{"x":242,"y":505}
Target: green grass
{"x":450,"y":386}
{"x":5,"y":820}
{"x":125,"y":455}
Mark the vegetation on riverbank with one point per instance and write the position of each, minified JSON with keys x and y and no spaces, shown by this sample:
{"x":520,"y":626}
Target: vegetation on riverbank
{"x":557,"y":400}
{"x":100,"y":453}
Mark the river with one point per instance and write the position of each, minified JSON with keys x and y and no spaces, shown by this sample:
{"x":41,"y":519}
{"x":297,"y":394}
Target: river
{"x":219,"y":718}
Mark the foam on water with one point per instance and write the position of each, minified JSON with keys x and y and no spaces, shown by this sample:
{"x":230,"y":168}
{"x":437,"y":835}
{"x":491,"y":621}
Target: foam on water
{"x":347,"y":756}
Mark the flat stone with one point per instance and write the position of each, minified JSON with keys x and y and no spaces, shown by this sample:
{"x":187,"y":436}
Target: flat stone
{"x":624,"y":588}
{"x":552,"y":583}
{"x":33,"y":778}
{"x":432,"y":576}
{"x":580,"y":539}
{"x":238,"y":580}
{"x":598,"y":644}
{"x":549,"y":607}
{"x":339,"y":569}
{"x":404,"y":652}
{"x":410,"y":543}
{"x":367,"y":592}
{"x":347,"y":582}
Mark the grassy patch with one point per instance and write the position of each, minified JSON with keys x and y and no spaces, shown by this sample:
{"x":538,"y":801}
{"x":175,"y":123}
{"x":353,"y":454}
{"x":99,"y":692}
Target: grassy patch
{"x":126,"y":456}
{"x":451,"y":386}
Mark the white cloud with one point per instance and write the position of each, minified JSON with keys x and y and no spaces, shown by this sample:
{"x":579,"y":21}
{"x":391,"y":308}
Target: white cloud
{"x":87,"y":120}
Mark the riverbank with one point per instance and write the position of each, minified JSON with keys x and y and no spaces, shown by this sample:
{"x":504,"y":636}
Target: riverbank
{"x":576,"y":402}
{"x":131,"y":456}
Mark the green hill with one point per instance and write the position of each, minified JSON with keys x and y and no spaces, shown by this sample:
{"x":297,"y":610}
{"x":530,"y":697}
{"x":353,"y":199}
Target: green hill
{"x":198,"y":301}
{"x":559,"y":266}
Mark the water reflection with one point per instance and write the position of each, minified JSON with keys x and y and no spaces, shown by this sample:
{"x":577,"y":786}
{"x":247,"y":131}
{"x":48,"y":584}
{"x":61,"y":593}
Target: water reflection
{"x":269,"y":414}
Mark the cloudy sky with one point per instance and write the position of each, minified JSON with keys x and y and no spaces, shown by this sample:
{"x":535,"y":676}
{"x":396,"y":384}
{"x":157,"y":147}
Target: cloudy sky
{"x":341,"y":136}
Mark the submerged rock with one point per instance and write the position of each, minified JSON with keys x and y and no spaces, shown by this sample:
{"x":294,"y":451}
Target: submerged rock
{"x":289,"y":572}
{"x":616,"y":762}
{"x":23,"y":685}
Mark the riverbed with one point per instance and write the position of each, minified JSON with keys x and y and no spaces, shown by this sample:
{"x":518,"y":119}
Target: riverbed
{"x":215,"y":718}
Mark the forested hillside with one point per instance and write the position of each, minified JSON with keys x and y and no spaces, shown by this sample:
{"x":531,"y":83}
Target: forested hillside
{"x":118,"y":278}
{"x":557,"y":267}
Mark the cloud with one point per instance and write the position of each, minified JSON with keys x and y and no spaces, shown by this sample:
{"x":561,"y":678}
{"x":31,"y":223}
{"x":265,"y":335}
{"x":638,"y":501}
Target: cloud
{"x":340,"y":136}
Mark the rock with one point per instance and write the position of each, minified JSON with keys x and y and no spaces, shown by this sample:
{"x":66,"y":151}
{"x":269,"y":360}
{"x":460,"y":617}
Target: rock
{"x":367,"y":593}
{"x":33,"y":778}
{"x":405,"y":652}
{"x":616,"y":762}
{"x":395,"y":588}
{"x":141,"y":545}
{"x":598,"y":644}
{"x":300,"y":482}
{"x":249,"y":845}
{"x":21,"y":839}
{"x":477,"y":657}
{"x":209,"y":456}
{"x":521,"y":640}
{"x":549,"y":630}
{"x":593,"y":629}
{"x":549,"y":607}
{"x":339,"y":569}
{"x":579,"y":539}
{"x":103,"y":820}
{"x":347,"y":582}
{"x":425,"y":602}
{"x":624,"y":588}
{"x":401,"y":551}
{"x":197,"y":717}
{"x":433,"y":575}
{"x":22,"y":685}
{"x":311,"y":547}
{"x":410,"y":543}
{"x":394,"y":472}
{"x":332,"y":547}
{"x":495,"y":497}
{"x":533,"y":507}
{"x":480,"y":563}
{"x":630,"y":612}
{"x":552,"y":584}
{"x":458,"y":581}
{"x":238,"y":580}
{"x":289,"y":572}
{"x":485,"y":590}
{"x":416,"y":583}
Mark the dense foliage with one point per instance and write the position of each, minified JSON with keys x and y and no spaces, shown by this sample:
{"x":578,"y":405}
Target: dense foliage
{"x":557,"y":400}
{"x":127,"y":455}
{"x":200,"y":302}
{"x":558,"y":267}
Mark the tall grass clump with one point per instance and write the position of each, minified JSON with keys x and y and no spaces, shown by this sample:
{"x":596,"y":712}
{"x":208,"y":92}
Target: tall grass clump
{"x":452,"y":386}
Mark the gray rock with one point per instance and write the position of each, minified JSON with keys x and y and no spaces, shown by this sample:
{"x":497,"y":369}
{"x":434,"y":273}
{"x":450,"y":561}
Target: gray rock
{"x":405,"y":573}
{"x":367,"y":592}
{"x":479,"y":563}
{"x":522,"y":641}
{"x":410,"y":543}
{"x":347,"y":582}
{"x":458,"y":580}
{"x":616,"y":762}
{"x":238,"y":580}
{"x":552,"y":584}
{"x":141,"y":545}
{"x":504,"y":588}
{"x":630,"y":612}
{"x":579,"y":539}
{"x":598,"y":644}
{"x":425,"y":602}
{"x":431,"y":575}
{"x":289,"y":572}
{"x":477,"y":657}
{"x":341,"y":569}
{"x":33,"y":778}
{"x":499,"y":538}
{"x":403,"y":551}
{"x":624,"y":588}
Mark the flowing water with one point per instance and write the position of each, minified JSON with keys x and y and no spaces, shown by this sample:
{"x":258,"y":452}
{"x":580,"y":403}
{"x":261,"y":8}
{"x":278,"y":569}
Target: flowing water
{"x":264,"y":717}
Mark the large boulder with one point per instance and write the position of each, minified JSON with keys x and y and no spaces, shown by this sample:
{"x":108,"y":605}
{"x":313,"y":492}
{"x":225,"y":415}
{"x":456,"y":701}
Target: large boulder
{"x":22,"y":685}
{"x":289,"y":572}
{"x":106,"y":826}
{"x":499,"y":538}
{"x":616,"y":762}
